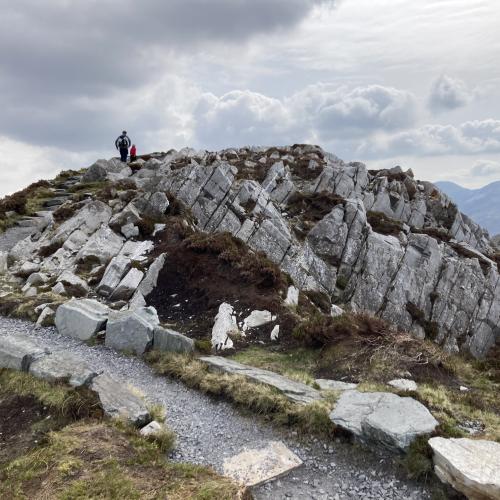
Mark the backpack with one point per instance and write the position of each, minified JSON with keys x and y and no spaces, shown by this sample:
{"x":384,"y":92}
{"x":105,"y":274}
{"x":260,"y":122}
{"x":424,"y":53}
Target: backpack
{"x":123,"y":143}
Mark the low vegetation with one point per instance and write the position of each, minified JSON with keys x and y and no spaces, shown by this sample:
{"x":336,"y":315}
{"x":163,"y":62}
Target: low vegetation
{"x":260,"y":399}
{"x":56,"y":444}
{"x":383,"y":224}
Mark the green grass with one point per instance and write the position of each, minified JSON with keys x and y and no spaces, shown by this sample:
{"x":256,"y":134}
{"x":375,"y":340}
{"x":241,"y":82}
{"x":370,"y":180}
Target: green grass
{"x":62,"y":398}
{"x":297,"y":364}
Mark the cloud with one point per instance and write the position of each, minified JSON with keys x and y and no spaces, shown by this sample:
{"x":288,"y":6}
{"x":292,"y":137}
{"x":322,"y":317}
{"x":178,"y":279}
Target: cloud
{"x":485,"y":168}
{"x":449,"y":93}
{"x":469,"y":138}
{"x":320,"y":112}
{"x":70,"y":71}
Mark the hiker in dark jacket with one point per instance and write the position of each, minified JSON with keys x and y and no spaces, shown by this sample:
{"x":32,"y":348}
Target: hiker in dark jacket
{"x":123,"y":143}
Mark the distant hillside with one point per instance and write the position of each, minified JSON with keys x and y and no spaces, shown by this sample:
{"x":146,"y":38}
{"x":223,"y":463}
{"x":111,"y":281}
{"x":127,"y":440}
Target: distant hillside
{"x":483,"y":205}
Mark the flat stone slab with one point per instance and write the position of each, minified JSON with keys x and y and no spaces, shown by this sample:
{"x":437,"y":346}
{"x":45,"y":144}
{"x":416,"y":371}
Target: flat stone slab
{"x":383,"y":417}
{"x":334,"y":385}
{"x":118,"y":401}
{"x":254,"y":467}
{"x":470,"y":466}
{"x":62,"y":366}
{"x":81,"y":318}
{"x":17,"y":353}
{"x":294,"y":391}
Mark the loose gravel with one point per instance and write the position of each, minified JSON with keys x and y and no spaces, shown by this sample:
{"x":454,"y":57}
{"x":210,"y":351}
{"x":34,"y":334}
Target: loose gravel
{"x":209,"y":430}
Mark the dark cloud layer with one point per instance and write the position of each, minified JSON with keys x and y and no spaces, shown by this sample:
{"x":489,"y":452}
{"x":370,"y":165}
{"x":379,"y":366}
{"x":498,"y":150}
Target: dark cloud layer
{"x":59,"y":58}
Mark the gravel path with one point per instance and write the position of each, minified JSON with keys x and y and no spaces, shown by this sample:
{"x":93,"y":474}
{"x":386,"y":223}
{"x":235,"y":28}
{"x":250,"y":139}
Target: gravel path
{"x":10,"y":237}
{"x":208,"y":431}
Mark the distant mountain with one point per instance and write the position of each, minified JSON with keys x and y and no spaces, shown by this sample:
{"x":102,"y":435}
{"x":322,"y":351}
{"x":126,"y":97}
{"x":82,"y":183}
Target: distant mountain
{"x":482,"y":205}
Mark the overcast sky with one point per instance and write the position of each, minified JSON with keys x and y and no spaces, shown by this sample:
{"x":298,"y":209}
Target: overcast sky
{"x":387,"y":82}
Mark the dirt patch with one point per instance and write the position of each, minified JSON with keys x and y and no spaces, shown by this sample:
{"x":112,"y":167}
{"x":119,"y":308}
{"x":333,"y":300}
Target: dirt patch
{"x":204,"y":270}
{"x":312,"y":207}
{"x":18,"y":418}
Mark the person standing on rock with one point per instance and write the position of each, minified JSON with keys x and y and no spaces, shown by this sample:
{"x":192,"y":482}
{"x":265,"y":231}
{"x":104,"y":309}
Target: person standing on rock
{"x":122,"y":144}
{"x":133,"y":153}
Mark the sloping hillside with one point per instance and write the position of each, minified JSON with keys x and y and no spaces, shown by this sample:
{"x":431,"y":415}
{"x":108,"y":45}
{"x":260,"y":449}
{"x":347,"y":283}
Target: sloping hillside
{"x":482,"y":205}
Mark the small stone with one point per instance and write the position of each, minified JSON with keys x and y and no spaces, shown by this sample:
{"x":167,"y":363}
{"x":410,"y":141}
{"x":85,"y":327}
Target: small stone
{"x":403,"y":384}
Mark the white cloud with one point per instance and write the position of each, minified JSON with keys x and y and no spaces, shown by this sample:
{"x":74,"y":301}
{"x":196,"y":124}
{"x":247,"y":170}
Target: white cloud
{"x":485,"y":168}
{"x":320,"y":112}
{"x":469,"y":138}
{"x":23,"y":163}
{"x":449,"y":93}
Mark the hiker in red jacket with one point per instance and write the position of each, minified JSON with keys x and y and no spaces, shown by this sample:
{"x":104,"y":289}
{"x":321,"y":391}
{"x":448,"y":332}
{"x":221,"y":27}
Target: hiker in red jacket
{"x":133,"y":153}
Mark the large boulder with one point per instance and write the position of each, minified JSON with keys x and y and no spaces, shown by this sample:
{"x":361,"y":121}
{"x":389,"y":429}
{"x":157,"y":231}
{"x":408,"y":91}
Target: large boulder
{"x":81,"y":318}
{"x":167,"y":340}
{"x":132,"y":330}
{"x":62,"y":367}
{"x":383,"y":418}
{"x":470,"y":466}
{"x":17,"y":353}
{"x":118,"y":401}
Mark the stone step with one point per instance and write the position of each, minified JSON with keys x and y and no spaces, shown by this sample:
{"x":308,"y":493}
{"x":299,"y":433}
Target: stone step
{"x":294,"y":391}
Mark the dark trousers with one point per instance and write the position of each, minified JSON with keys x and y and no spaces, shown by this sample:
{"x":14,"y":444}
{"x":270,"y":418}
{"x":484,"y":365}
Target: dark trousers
{"x":124,"y":154}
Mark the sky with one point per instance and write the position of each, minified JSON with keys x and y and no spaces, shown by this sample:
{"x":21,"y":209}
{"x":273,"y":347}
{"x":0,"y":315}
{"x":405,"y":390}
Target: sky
{"x":385,"y":82}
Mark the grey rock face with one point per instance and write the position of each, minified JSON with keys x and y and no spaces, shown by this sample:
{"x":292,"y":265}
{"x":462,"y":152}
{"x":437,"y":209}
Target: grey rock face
{"x":167,"y":340}
{"x":120,"y":402}
{"x":17,"y":353}
{"x":96,"y":172}
{"x":383,"y":418}
{"x":81,"y":318}
{"x":101,"y":247}
{"x":62,"y":367}
{"x":295,"y":391}
{"x":131,"y":330}
{"x":114,"y":273}
{"x":73,"y":284}
{"x":47,"y":317}
{"x":128,"y":285}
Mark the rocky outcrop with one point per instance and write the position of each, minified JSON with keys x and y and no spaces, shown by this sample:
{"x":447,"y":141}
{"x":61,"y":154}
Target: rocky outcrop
{"x":470,"y":466}
{"x":383,"y":418}
{"x":377,"y":241}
